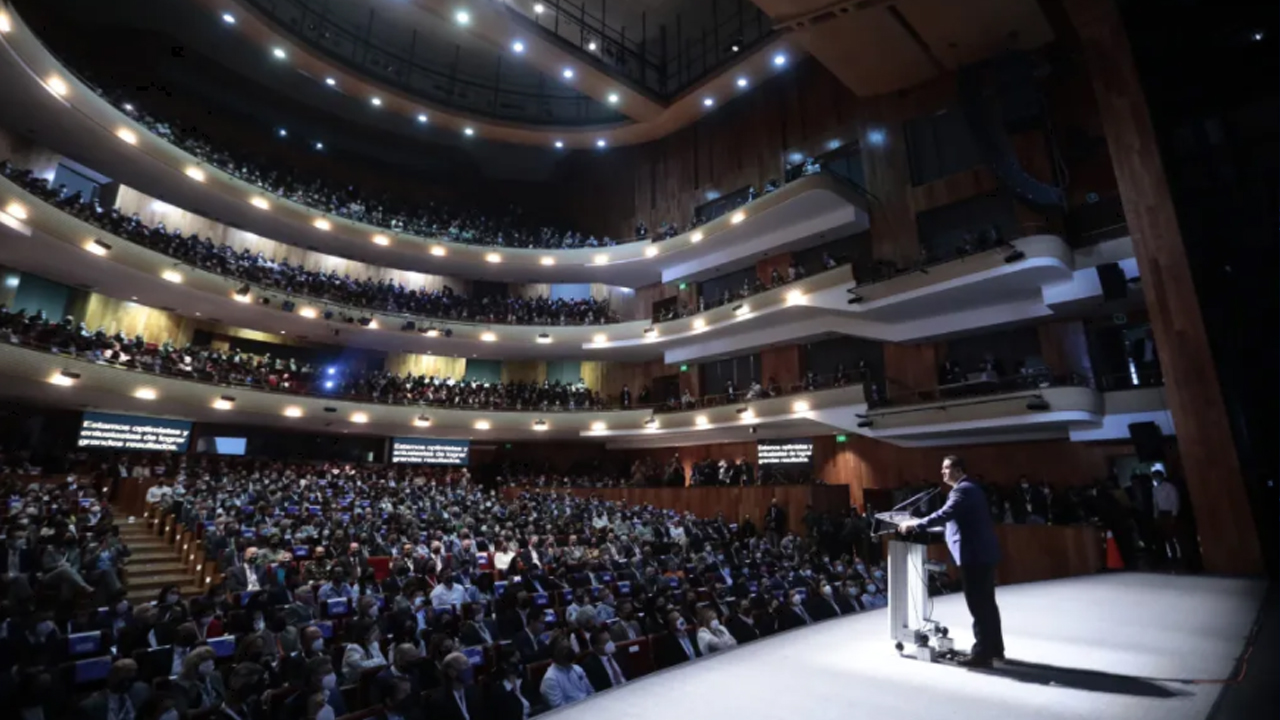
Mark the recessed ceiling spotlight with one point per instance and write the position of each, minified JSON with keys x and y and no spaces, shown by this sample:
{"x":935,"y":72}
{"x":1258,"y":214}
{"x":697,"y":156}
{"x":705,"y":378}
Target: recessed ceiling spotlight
{"x":377,"y":101}
{"x":282,"y":132}
{"x":708,"y":102}
{"x":613,"y":98}
{"x":780,"y":59}
{"x":517,"y":47}
{"x":228,"y":18}
{"x":319,"y":145}
{"x":468,"y":131}
{"x":539,"y":8}
{"x":742,"y":82}
{"x":422,"y":118}
{"x":567,"y":73}
{"x":330,"y":82}
{"x":592,"y":46}
{"x":279,"y":53}
{"x":601,"y":143}
{"x":559,"y":144}
{"x":462,"y":17}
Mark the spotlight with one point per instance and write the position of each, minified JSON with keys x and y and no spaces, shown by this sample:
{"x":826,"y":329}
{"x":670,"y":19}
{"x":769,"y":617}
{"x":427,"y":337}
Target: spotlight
{"x":567,"y":73}
{"x":599,"y":426}
{"x":422,"y":421}
{"x":278,"y":53}
{"x":430,"y":332}
{"x":330,"y":82}
{"x":601,"y":143}
{"x":592,"y":46}
{"x":866,"y":423}
{"x":226,"y":402}
{"x":282,"y":133}
{"x":377,"y":101}
{"x":462,"y":17}
{"x":287,"y":306}
{"x":365,"y":321}
{"x":332,"y":371}
{"x":742,"y":82}
{"x":228,"y":18}
{"x":650,"y":331}
{"x":97,"y":247}
{"x":540,"y":425}
{"x":65,"y":378}
{"x":708,"y":102}
{"x":319,"y":145}
{"x":779,"y":60}
{"x":559,"y":144}
{"x":538,"y":8}
{"x":741,"y":309}
{"x":243,"y":290}
{"x":517,"y":47}
{"x":651,"y":422}
{"x":409,"y":326}
{"x":544,"y":339}
{"x":743,"y":410}
{"x":469,"y":132}
{"x":422,"y":118}
{"x":613,"y":98}
{"x":328,"y":384}
{"x":293,"y":411}
{"x":1037,"y":403}
{"x":1015,"y":256}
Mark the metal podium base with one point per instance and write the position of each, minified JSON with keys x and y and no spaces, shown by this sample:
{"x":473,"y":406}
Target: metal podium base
{"x":910,"y":624}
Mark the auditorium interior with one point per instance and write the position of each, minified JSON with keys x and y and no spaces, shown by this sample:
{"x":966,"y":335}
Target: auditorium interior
{"x":491,"y":359}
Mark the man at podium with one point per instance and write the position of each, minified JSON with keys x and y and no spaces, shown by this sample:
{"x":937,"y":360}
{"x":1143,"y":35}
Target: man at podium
{"x":971,"y":538}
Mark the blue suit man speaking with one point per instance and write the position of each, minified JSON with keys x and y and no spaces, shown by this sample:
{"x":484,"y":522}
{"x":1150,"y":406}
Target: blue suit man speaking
{"x":972,"y":541}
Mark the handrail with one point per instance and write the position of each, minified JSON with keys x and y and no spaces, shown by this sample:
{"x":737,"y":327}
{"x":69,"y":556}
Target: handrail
{"x":1031,"y":382}
{"x":737,"y":296}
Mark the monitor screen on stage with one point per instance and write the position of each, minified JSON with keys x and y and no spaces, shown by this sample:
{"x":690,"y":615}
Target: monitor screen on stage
{"x":108,"y":431}
{"x":428,"y":451}
{"x":222,"y":445}
{"x":787,"y":453}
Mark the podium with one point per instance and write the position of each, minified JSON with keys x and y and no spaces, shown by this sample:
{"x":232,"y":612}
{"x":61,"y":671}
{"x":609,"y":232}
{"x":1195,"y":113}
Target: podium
{"x":910,"y":608}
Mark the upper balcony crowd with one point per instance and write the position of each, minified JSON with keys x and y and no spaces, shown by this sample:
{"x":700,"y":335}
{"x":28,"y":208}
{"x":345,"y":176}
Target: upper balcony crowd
{"x":375,"y":295}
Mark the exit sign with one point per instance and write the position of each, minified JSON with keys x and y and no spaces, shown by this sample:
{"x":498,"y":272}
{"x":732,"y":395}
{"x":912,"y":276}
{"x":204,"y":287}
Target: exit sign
{"x":842,"y":438}
{"x":684,"y":368}
{"x":683,"y":285}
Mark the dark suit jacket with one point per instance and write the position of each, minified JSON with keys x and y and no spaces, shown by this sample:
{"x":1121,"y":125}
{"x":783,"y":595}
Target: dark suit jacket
{"x":471,"y":636}
{"x":970,"y":533}
{"x":444,"y":706}
{"x":741,"y":630}
{"x":597,"y":673}
{"x":502,"y":704}
{"x":27,"y":561}
{"x":510,"y":623}
{"x":819,"y":608}
{"x":237,"y":579}
{"x":668,"y":652}
{"x":788,"y":618}
{"x":530,"y":651}
{"x":95,"y":707}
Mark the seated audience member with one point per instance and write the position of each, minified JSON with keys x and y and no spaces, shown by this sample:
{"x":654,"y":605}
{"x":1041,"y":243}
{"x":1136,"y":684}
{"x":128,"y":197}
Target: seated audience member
{"x":793,"y":613}
{"x":565,"y":683}
{"x":245,"y":688}
{"x":529,"y":642}
{"x":601,"y":668}
{"x":362,"y":650}
{"x":626,"y":628}
{"x":406,"y":666}
{"x":122,"y":697}
{"x":479,"y":630}
{"x":742,"y":624}
{"x":319,"y":679}
{"x":712,"y":636}
{"x":504,"y":693}
{"x":198,"y":687}
{"x":675,"y":647}
{"x":456,"y":698}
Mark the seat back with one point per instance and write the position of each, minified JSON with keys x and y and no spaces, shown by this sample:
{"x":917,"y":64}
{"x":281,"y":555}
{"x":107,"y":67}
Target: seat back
{"x":635,"y":657}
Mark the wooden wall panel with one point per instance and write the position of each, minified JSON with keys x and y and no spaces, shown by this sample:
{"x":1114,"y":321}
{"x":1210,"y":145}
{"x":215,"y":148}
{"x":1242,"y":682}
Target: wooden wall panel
{"x":1031,"y":553}
{"x":865,"y":463}
{"x":100,"y":311}
{"x":1064,"y":345}
{"x":1228,"y":536}
{"x":593,"y":374}
{"x":131,"y":201}
{"x":781,"y":364}
{"x":415,"y":364}
{"x":909,"y":368}
{"x":26,"y":154}
{"x":534,"y":371}
{"x":765,"y":268}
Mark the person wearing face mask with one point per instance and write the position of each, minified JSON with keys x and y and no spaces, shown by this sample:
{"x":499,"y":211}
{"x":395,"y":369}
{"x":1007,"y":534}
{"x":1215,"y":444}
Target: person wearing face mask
{"x":742,"y":624}
{"x":793,"y":614}
{"x":302,"y":611}
{"x":122,"y":698}
{"x":243,"y":700}
{"x":198,"y":687}
{"x":319,"y":679}
{"x":251,"y":576}
{"x":565,"y":683}
{"x":827,"y":604}
{"x":503,"y":693}
{"x":310,"y":646}
{"x":675,"y":646}
{"x":712,"y":636}
{"x":363,"y":650}
{"x":183,"y":642}
{"x":479,"y":630}
{"x":600,"y":665}
{"x":448,"y":594}
{"x":456,"y":698}
{"x":873,"y":597}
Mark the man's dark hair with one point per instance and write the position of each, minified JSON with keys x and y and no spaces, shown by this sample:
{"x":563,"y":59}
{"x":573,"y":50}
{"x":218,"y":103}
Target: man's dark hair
{"x":956,"y":463}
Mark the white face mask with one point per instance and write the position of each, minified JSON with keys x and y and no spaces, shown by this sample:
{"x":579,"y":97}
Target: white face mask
{"x":715,"y":625}
{"x":329,"y":681}
{"x":826,"y":591}
{"x":122,"y":607}
{"x":318,"y":645}
{"x":258,"y":625}
{"x":206,"y":667}
{"x":610,"y":648}
{"x":171,"y":598}
{"x":795,"y":600}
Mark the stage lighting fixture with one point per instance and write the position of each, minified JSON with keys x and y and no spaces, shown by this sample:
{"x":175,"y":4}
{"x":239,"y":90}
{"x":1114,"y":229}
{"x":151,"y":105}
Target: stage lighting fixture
{"x":226,"y":402}
{"x":331,"y":409}
{"x":1015,"y":256}
{"x":866,"y":423}
{"x":409,"y":326}
{"x":430,"y":332}
{"x":328,"y":384}
{"x":1037,"y":403}
{"x":366,"y":321}
{"x":287,"y":306}
{"x":448,"y":332}
{"x":540,"y":425}
{"x":422,"y":421}
{"x":331,"y":371}
{"x":327,"y":315}
{"x":97,"y":247}
{"x":543,"y":338}
{"x":651,"y":422}
{"x":743,"y":410}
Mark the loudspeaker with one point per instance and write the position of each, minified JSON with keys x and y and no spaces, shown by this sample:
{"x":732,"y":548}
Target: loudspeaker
{"x":1148,"y":440}
{"x":1114,"y":285}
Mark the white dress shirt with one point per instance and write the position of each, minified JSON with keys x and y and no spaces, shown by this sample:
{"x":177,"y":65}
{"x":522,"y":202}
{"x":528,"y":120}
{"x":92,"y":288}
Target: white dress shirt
{"x":443,"y":596}
{"x":711,"y":641}
{"x":1164,"y":497}
{"x":563,"y":686}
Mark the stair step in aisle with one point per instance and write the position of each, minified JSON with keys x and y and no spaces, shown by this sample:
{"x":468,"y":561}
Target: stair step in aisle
{"x":153,"y":563}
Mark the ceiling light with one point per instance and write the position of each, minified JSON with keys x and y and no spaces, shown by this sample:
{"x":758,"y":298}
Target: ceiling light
{"x":700,"y":420}
{"x":544,"y":339}
{"x":422,"y":421}
{"x":696,"y":236}
{"x":438,"y":250}
{"x":779,"y":60}
{"x":651,"y":422}
{"x":747,"y":415}
{"x":601,"y":143}
{"x":372,"y":324}
{"x":592,"y":46}
{"x":795,"y":296}
{"x":242,"y":298}
{"x":293,"y":411}
{"x":226,"y":402}
{"x":432,"y":332}
{"x":567,"y":73}
{"x":559,"y":144}
{"x":599,"y":426}
{"x":5,"y":24}
{"x":309,"y":312}
{"x":172,"y":276}
{"x":16,"y":210}
{"x":382,"y":240}
{"x":742,"y":82}
{"x":488,"y":336}
{"x":613,"y":98}
{"x":468,"y":131}
{"x":377,"y":101}
{"x":708,"y":102}
{"x":650,"y":332}
{"x":127,"y":135}
{"x":876,"y":136}
{"x":422,"y":118}
{"x":319,"y":145}
{"x":482,"y":425}
{"x":538,"y":8}
{"x":330,"y":82}
{"x":260,"y":203}
{"x":195,"y":173}
{"x":737,"y":217}
{"x":462,"y":17}
{"x":800,"y":406}
{"x":599,"y":338}
{"x":282,"y":132}
{"x":279,"y":53}
{"x":540,"y":425}
{"x":57,"y":86}
{"x":699,"y":323}
{"x":741,"y":310}
{"x":651,"y":251}
{"x":322,"y":224}
{"x":97,"y":247}
{"x":548,"y":261}
{"x":517,"y":47}
{"x":228,"y":18}
{"x":146,"y":394}
{"x":65,"y":378}
{"x":600,"y":259}
{"x":492,"y":257}
{"x":359,"y":417}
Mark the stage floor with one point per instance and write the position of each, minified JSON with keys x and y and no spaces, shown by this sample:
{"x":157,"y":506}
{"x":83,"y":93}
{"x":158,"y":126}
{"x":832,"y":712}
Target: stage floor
{"x":1091,"y":648}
